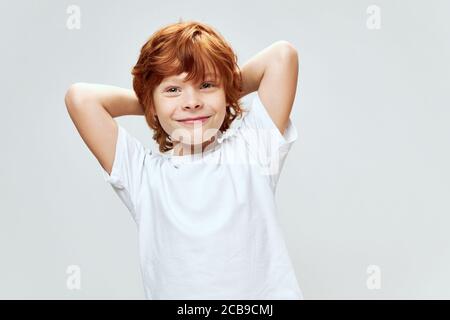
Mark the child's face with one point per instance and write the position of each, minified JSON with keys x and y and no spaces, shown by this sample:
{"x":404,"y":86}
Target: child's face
{"x":176,"y":100}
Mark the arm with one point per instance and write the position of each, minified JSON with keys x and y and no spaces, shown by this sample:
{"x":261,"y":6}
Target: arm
{"x":274,"y":73}
{"x":116,"y":101}
{"x":252,"y":71}
{"x":92,"y":108}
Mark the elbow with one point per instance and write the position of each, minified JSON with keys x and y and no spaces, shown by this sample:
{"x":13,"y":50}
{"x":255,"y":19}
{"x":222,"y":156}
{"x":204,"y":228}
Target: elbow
{"x":287,"y":49}
{"x":75,"y":95}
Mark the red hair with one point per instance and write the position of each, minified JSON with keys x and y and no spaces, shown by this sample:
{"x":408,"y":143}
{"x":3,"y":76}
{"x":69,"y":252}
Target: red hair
{"x":191,"y":47}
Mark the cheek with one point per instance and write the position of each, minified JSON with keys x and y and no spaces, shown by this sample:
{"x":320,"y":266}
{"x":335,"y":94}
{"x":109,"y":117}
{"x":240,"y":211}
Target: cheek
{"x":220,"y":117}
{"x":164,"y":112}
{"x":164,"y":118}
{"x":167,"y":126}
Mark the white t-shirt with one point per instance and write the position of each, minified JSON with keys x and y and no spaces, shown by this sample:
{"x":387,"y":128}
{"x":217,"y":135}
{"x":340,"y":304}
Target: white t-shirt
{"x":207,"y":224}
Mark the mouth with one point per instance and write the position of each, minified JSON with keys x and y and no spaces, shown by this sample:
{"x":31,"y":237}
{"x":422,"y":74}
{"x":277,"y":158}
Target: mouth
{"x":193,"y":122}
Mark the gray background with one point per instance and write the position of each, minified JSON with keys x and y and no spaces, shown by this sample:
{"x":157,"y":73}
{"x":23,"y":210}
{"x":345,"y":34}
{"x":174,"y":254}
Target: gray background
{"x":367,"y":183}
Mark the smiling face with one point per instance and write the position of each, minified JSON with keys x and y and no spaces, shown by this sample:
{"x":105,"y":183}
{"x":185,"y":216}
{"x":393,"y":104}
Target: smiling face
{"x":177,"y":100}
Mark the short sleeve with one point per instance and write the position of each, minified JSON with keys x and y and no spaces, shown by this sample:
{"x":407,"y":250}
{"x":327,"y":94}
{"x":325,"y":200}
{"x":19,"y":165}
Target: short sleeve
{"x":265,"y":142}
{"x":128,"y":169}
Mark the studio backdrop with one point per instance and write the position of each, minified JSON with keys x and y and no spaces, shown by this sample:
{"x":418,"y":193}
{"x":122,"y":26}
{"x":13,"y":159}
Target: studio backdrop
{"x":363,"y":199}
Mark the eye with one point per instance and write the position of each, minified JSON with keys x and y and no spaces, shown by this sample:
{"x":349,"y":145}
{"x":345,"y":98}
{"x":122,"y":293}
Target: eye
{"x":168,"y":90}
{"x":207,"y":83}
{"x":211,"y":84}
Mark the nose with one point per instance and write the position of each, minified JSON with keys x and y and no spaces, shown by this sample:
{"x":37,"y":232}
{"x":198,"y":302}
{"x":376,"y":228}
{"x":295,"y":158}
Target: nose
{"x":191,"y":106}
{"x":192,"y":100}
